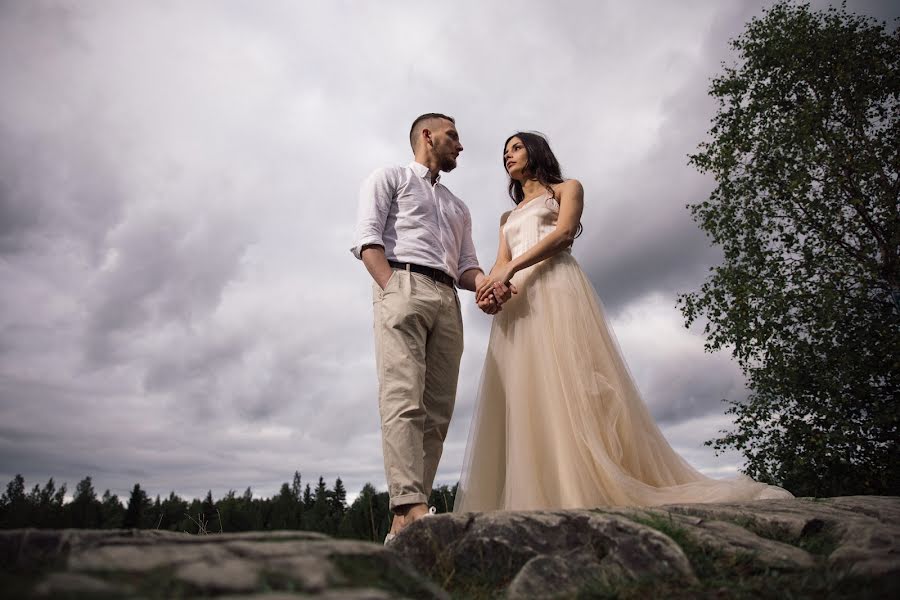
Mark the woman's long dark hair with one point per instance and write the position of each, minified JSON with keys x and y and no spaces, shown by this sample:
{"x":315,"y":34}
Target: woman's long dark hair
{"x":542,"y":165}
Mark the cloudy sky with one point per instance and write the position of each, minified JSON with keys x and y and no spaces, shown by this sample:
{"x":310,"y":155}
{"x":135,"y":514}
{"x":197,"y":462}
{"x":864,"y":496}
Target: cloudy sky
{"x":178,"y":185}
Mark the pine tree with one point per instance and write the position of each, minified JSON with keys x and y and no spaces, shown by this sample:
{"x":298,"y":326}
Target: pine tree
{"x":138,"y":506}
{"x":15,"y":492}
{"x":155,"y":514}
{"x":112,"y":513}
{"x":84,"y":510}
{"x":47,"y":493}
{"x":47,"y":513}
{"x":317,"y":516}
{"x":209,"y":516}
{"x":34,"y":497}
{"x":283,"y":513}
{"x":362,"y":518}
{"x":172,"y":511}
{"x":14,"y":507}
{"x":59,"y":499}
{"x":209,"y":506}
{"x":297,"y":487}
{"x":340,"y":497}
{"x":307,"y":498}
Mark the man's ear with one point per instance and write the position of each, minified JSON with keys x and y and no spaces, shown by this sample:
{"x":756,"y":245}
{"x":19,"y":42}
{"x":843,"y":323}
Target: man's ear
{"x":427,"y":134}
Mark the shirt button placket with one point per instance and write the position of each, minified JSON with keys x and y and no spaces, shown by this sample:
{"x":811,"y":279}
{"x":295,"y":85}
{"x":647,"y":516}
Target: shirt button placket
{"x":439,"y":210}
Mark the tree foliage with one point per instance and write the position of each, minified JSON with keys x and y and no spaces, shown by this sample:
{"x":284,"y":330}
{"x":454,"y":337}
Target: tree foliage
{"x":368,"y":517}
{"x":804,"y":149}
{"x":137,"y":515}
{"x":85,"y":508}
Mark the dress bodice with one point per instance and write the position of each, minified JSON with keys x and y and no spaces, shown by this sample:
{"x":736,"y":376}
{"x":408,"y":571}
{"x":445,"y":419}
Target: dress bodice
{"x":531,"y":222}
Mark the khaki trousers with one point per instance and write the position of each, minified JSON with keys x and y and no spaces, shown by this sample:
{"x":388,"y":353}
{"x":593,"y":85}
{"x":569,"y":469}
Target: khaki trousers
{"x":418,"y":346}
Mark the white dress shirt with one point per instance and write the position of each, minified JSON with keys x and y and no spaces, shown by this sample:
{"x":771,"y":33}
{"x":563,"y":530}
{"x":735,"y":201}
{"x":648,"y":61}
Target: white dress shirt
{"x":415,"y":221}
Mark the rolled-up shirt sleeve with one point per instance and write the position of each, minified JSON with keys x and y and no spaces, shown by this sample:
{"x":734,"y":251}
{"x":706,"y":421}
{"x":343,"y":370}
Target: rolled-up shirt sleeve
{"x":375,"y":197}
{"x":467,"y":258}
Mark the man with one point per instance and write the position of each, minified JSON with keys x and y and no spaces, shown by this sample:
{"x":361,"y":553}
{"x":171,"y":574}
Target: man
{"x":415,"y":239}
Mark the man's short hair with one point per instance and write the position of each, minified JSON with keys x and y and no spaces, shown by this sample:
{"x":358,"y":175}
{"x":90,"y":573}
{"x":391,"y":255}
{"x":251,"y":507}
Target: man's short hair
{"x":417,"y":126}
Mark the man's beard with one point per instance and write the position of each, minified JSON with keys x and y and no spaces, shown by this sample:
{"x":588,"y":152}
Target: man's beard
{"x":448,"y":163}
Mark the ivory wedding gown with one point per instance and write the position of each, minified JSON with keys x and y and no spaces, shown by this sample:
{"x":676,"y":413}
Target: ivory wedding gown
{"x":559,"y":422}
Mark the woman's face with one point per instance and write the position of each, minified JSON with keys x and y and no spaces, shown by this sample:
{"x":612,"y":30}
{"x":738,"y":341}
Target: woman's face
{"x":515,"y":158}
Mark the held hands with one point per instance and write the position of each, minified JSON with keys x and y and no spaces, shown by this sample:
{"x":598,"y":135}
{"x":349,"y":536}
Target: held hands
{"x":490,"y":305}
{"x":491,"y":291}
{"x":498,"y":277}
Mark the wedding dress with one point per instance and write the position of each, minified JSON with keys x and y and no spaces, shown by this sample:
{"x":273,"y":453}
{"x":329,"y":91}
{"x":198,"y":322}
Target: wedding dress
{"x":559,"y":422}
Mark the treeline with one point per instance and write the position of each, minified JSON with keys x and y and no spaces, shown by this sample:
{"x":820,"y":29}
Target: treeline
{"x":296,"y":506}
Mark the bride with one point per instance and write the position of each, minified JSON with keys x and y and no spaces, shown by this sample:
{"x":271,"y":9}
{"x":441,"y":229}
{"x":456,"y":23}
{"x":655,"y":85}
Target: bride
{"x":559,"y":422}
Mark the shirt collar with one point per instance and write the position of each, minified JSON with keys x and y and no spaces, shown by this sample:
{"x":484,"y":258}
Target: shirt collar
{"x":423,"y":172}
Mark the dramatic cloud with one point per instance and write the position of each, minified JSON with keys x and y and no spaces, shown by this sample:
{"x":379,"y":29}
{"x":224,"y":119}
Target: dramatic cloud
{"x":178,"y":184}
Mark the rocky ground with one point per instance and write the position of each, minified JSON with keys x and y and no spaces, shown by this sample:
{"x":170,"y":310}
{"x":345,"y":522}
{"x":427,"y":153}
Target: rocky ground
{"x":803,"y":548}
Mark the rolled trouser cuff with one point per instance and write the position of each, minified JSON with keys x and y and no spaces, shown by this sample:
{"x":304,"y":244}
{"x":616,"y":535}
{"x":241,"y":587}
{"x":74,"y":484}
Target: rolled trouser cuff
{"x":408,"y":499}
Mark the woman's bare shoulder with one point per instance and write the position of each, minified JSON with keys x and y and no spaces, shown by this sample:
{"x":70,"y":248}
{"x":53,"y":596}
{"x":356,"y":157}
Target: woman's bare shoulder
{"x":568,"y":186}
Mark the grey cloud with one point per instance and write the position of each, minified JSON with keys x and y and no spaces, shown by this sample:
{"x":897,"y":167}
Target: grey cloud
{"x":692,"y":387}
{"x":15,"y":218}
{"x":48,"y":194}
{"x":164,"y":269}
{"x":645,"y":240}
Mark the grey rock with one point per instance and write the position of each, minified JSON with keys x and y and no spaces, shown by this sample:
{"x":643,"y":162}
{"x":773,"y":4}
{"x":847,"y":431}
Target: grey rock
{"x":870,"y":543}
{"x":864,"y":530}
{"x":63,"y":584}
{"x":558,"y":553}
{"x":882,"y":508}
{"x":266,"y":596}
{"x":785,"y":518}
{"x":534,"y":551}
{"x":735,"y":541}
{"x":547,"y":576}
{"x":289,"y":564}
{"x":260,"y":549}
{"x":228,"y":575}
{"x":313,"y":574}
{"x":143,"y":557}
{"x":357,"y":594}
{"x":342,"y":594}
{"x":867,"y":548}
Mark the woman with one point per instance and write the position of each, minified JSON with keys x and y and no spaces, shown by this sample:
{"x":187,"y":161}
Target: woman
{"x":559,"y":422}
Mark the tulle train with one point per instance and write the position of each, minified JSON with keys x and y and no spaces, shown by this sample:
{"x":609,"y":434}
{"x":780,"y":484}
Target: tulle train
{"x":559,"y":422}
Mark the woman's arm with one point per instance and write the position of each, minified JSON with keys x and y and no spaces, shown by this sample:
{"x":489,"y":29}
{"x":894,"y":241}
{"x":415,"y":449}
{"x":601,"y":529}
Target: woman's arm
{"x":570,"y":196}
{"x":501,"y":292}
{"x":503,"y":253}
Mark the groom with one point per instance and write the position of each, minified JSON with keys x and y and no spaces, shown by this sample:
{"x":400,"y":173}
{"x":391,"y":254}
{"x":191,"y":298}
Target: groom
{"x":415,"y":239}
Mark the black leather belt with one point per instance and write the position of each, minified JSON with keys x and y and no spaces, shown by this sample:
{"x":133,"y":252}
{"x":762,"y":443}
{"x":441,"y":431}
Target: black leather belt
{"x":435,"y":274}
